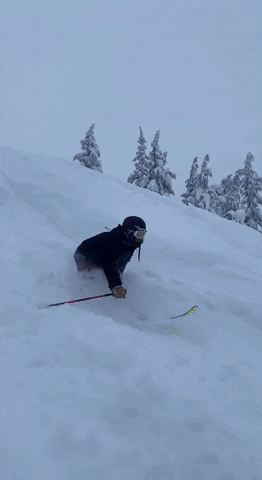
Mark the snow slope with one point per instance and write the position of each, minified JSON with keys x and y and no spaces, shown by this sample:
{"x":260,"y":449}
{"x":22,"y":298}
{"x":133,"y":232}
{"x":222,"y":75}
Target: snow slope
{"x":98,"y":390}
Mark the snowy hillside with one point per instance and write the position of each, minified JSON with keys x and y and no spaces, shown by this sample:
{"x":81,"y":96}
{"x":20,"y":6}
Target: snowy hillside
{"x":99,"y":390}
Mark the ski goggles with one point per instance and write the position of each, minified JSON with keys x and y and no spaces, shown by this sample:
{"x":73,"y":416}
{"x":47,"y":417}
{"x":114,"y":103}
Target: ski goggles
{"x":140,"y":233}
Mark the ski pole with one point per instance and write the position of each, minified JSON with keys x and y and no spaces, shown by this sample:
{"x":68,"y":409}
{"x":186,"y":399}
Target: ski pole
{"x":75,"y":301}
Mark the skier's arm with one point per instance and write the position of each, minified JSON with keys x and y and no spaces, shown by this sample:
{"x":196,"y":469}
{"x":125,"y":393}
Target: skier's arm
{"x":112,"y":274}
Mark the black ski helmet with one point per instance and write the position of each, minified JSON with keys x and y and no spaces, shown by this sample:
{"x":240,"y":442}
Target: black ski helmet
{"x":133,"y":223}
{"x":130,"y":225}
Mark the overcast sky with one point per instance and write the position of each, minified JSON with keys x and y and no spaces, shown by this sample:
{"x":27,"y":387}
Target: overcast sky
{"x":191,"y":69}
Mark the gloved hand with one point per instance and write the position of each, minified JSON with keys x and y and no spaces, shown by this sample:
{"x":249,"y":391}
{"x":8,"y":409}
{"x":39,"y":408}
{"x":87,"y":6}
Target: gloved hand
{"x":119,"y":292}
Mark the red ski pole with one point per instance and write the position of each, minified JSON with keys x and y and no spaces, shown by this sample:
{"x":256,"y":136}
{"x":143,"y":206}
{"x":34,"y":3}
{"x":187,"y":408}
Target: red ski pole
{"x":75,"y":301}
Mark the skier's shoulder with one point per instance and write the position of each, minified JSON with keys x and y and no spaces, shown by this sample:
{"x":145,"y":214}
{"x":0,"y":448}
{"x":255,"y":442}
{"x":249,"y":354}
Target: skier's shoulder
{"x":116,"y":232}
{"x":107,"y":236}
{"x":103,"y":239}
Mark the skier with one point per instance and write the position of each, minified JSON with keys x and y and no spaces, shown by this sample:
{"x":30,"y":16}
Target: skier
{"x":111,"y":251}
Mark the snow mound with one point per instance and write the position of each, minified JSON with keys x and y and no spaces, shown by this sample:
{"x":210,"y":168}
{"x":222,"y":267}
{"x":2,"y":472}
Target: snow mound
{"x":99,"y":389}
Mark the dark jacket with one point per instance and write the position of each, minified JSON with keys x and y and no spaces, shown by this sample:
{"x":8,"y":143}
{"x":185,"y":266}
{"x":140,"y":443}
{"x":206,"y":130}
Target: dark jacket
{"x":109,"y":251}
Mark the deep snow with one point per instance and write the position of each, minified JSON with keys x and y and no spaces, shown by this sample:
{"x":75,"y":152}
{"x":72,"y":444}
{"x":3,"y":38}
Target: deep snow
{"x":98,"y":390}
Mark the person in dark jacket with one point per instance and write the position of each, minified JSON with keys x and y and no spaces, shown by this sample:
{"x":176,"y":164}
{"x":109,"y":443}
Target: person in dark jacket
{"x":111,"y":251}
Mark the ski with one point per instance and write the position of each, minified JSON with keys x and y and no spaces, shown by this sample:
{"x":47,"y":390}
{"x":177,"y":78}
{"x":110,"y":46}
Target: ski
{"x":192,"y":310}
{"x":174,"y":329}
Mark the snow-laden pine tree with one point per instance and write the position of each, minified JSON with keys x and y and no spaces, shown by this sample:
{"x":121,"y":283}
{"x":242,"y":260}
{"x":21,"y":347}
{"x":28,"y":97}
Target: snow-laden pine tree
{"x":90,"y":155}
{"x":191,"y":184}
{"x":216,"y":201}
{"x":227,"y":196}
{"x":250,"y":185}
{"x":198,"y":193}
{"x":159,"y":178}
{"x":140,"y":175}
{"x":202,"y":195}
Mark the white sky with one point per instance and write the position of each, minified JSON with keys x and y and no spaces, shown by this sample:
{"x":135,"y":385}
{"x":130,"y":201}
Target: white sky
{"x":189,"y":68}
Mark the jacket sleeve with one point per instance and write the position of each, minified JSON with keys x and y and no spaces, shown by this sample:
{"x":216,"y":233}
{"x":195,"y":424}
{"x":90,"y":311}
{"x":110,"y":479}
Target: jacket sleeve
{"x":112,"y":274}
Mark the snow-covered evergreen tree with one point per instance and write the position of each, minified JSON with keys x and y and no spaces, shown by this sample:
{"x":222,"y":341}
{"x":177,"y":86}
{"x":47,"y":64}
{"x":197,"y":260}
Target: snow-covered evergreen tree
{"x":226,"y":196}
{"x":90,"y":155}
{"x":140,"y":175}
{"x":198,"y":193}
{"x":251,"y":185}
{"x":230,"y":189}
{"x":216,"y":200}
{"x":236,"y":198}
{"x":191,"y":184}
{"x":205,"y":172}
{"x":202,"y":196}
{"x":159,"y":178}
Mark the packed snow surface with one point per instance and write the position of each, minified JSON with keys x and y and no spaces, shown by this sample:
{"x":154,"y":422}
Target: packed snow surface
{"x":99,"y":390}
